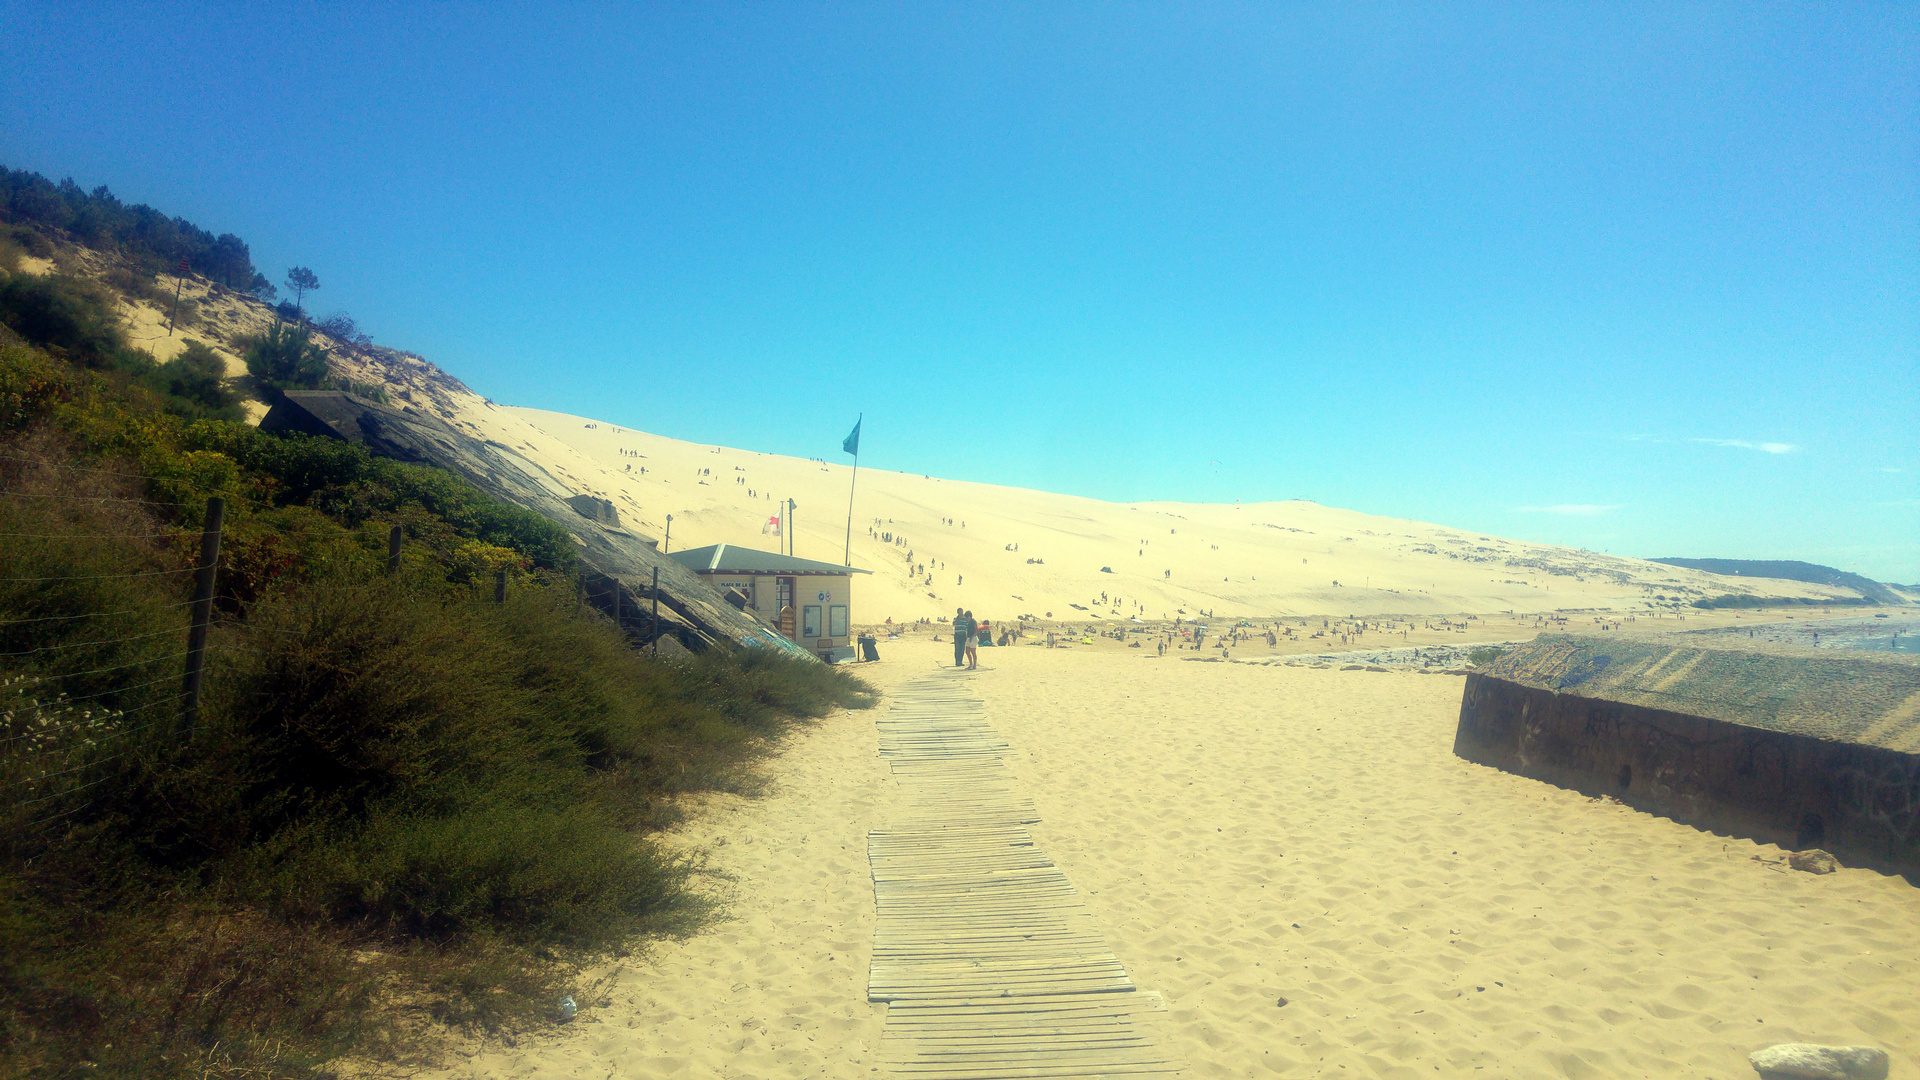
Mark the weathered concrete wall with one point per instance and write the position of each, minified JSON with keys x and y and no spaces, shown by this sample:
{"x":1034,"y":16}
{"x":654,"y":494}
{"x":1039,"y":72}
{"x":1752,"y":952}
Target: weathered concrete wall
{"x":1861,"y":802}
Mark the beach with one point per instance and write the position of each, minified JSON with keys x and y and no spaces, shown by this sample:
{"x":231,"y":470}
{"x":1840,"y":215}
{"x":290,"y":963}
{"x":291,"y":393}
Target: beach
{"x":1247,"y":834}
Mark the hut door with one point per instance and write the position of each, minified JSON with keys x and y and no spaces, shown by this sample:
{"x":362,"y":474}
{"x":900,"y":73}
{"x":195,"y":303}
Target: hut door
{"x":783,"y":600}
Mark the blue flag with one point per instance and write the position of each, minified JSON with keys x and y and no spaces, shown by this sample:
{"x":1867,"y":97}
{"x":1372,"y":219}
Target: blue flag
{"x":852,"y":445}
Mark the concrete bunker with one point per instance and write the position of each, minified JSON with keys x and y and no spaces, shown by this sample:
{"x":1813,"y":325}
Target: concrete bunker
{"x":1799,"y":747}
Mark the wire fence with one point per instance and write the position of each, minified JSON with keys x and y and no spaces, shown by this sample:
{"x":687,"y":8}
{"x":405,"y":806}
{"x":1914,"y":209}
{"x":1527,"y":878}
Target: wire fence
{"x":53,"y":740}
{"x":38,"y":463}
{"x":60,"y":722}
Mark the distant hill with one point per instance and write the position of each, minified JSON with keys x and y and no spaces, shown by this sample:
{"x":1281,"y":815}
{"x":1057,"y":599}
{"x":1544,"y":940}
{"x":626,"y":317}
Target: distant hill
{"x":1792,"y":570}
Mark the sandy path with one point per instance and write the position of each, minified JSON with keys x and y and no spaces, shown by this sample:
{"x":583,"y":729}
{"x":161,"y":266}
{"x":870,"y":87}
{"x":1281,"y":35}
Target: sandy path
{"x":1244,"y":833}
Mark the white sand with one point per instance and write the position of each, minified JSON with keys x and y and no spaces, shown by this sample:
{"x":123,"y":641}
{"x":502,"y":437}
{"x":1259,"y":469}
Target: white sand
{"x":1246,"y":833}
{"x":1257,"y":560}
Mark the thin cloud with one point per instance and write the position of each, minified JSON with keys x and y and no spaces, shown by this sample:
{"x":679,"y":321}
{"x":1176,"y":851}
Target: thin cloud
{"x":1571,"y":509}
{"x":1742,"y":444}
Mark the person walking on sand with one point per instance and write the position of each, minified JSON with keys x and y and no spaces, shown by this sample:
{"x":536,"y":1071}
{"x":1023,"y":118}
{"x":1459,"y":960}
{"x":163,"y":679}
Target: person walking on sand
{"x":962,"y":636}
{"x":973,"y":644}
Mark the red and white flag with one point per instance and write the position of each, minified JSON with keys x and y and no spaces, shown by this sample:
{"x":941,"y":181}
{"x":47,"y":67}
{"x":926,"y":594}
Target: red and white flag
{"x":772,"y":526}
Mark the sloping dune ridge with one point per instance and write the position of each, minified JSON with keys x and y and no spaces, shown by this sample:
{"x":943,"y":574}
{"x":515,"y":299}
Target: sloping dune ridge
{"x":935,"y":544}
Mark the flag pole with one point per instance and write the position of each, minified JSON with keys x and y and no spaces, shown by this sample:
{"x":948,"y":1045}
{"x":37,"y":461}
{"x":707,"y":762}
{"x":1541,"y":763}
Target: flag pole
{"x":848,"y":557}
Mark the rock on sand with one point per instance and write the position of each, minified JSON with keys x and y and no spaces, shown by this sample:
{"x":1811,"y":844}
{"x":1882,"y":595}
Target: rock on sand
{"x":1806,"y":1060}
{"x":1813,"y":861}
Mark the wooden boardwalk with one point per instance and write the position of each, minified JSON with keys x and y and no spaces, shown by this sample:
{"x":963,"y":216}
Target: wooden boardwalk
{"x":989,"y":964}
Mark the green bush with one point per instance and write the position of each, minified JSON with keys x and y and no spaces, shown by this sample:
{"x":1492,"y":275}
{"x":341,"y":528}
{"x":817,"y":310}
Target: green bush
{"x":76,"y":319}
{"x":1482,"y":655}
{"x":286,"y":358}
{"x":351,"y":486}
{"x":198,"y":378}
{"x":31,"y":386}
{"x":422,"y":759}
{"x":36,"y":244}
{"x":71,"y":316}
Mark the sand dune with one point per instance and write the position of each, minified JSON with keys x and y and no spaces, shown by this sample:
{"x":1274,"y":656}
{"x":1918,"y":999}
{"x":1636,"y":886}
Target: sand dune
{"x":1013,"y":551}
{"x":1245,"y":833}
{"x":935,"y":544}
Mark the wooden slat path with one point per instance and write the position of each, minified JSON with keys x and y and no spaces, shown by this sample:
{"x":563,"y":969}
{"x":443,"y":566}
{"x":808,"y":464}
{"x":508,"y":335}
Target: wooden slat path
{"x":990,"y":966}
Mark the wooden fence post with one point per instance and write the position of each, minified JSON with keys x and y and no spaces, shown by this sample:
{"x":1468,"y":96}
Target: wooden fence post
{"x":656,"y":611}
{"x":393,"y":550}
{"x":202,"y":614}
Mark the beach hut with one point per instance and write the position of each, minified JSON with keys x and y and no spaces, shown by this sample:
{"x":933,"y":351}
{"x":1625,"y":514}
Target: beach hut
{"x":810,"y":602}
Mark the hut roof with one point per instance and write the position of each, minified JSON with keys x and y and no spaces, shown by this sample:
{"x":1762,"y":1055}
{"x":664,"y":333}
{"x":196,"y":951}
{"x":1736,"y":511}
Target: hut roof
{"x":734,"y":559}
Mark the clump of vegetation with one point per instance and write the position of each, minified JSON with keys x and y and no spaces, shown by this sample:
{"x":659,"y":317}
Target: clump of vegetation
{"x":1482,"y":655}
{"x":73,"y":319}
{"x":1746,"y":600}
{"x":69,"y":317}
{"x":342,"y":328}
{"x":286,"y":358}
{"x":198,"y":374}
{"x":19,"y":241}
{"x":395,"y":786}
{"x":151,"y":240}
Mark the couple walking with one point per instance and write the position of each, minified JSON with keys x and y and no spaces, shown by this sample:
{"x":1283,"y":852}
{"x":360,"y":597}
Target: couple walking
{"x":964,"y":649}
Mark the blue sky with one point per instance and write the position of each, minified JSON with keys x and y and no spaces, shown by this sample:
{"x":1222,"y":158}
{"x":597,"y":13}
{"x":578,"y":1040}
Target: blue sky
{"x":1644,"y":279}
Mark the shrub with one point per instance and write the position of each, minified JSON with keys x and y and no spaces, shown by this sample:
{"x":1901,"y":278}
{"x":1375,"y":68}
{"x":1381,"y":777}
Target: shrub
{"x":30,"y":241}
{"x":353,"y":487}
{"x":341,"y":327}
{"x":65,"y":314}
{"x":286,"y":358}
{"x":197,"y":377}
{"x":422,"y":759}
{"x":1482,"y":655}
{"x":30,"y":386}
{"x":134,"y":285}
